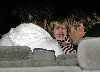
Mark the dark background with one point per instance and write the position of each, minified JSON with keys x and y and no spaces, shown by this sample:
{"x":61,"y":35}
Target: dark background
{"x":8,"y":7}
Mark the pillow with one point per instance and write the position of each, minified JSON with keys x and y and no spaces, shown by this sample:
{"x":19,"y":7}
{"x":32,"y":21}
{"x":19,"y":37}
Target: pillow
{"x":43,"y":54}
{"x":15,"y":53}
{"x":67,"y":60}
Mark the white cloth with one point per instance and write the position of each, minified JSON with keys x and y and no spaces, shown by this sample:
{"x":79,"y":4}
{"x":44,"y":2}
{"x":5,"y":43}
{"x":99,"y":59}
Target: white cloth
{"x":31,"y":35}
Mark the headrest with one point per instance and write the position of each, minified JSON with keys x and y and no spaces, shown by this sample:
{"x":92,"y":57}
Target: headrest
{"x":89,"y":53}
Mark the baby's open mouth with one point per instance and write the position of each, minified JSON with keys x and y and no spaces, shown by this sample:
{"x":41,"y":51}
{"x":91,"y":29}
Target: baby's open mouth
{"x":60,"y":35}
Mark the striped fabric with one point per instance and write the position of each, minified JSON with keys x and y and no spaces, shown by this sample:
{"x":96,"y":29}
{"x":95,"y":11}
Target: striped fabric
{"x":68,"y":46}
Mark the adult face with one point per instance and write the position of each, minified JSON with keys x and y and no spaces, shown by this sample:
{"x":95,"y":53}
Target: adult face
{"x":77,"y":33}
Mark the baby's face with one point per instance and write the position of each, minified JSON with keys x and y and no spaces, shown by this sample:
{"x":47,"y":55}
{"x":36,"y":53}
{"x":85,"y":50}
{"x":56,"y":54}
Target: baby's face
{"x":60,"y":32}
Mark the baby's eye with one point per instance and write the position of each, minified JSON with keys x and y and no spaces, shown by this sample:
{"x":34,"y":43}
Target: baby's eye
{"x":63,"y":28}
{"x":57,"y":27}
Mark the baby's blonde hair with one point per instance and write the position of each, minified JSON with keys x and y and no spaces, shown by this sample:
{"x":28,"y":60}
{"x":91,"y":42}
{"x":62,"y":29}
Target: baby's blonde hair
{"x":59,"y":22}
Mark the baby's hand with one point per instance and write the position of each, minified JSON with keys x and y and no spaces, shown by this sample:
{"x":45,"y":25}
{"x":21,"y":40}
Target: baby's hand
{"x":64,"y":44}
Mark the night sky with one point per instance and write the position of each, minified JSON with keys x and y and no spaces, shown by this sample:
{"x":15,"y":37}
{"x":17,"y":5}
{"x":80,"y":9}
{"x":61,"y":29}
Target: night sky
{"x":7,"y":7}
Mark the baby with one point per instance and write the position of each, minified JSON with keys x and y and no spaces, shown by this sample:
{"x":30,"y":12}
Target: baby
{"x":59,"y":31}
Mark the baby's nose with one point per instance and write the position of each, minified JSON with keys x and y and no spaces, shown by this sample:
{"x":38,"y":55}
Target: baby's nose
{"x":61,"y":30}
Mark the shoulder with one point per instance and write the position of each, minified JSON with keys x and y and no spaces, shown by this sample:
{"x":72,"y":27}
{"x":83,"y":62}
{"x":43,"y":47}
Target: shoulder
{"x":52,"y":41}
{"x":31,"y":28}
{"x":55,"y":46}
{"x":51,"y":44}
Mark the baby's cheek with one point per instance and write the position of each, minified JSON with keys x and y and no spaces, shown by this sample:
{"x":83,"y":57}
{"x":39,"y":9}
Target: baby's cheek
{"x":55,"y":36}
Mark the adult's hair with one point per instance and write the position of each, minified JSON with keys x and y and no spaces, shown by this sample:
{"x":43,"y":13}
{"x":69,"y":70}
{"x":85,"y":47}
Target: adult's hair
{"x":87,"y":17}
{"x":72,"y":22}
{"x":35,"y":14}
